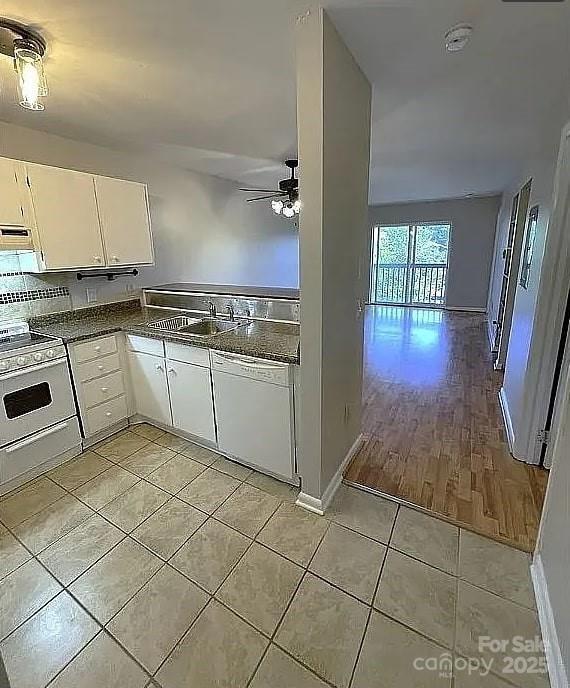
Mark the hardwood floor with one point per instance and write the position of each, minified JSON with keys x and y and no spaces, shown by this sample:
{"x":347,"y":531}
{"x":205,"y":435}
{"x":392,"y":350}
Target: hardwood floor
{"x":433,"y":429}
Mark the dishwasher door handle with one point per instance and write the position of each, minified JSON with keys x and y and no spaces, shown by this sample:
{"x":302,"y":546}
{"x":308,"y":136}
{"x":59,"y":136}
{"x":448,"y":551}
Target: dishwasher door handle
{"x":250,"y":364}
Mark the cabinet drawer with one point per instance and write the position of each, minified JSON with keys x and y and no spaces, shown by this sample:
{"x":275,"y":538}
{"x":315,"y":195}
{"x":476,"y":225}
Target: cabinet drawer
{"x":146,"y":345}
{"x":106,"y":414}
{"x":101,"y":366}
{"x":102,"y":389}
{"x":188,"y":354}
{"x":94,"y":348}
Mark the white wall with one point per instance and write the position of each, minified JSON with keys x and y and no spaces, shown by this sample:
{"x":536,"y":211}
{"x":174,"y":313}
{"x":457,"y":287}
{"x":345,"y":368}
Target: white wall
{"x":552,"y":554}
{"x":515,"y":378}
{"x":203,"y":229}
{"x":333,"y":102}
{"x":474,"y":222}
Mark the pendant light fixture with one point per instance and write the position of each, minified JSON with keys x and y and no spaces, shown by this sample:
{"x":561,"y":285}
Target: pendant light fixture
{"x":27,"y":49}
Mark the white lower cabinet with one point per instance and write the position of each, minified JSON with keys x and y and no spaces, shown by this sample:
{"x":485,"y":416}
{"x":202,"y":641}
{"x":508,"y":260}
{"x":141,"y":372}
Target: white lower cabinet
{"x":191,"y":399}
{"x":240,"y":404}
{"x":150,"y":386}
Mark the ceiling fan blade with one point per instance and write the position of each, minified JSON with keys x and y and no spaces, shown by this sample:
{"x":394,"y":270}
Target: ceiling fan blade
{"x":262,"y":190}
{"x":264,"y":198}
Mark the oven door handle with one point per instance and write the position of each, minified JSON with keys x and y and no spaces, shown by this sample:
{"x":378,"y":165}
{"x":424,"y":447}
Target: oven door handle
{"x":32,"y":369}
{"x":36,"y":437}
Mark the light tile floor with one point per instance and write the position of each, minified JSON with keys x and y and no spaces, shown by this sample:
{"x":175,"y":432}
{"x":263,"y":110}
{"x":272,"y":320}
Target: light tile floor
{"x":148,"y":561}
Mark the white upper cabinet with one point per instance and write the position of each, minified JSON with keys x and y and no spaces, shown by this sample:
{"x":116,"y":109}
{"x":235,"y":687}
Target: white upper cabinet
{"x":66,"y":218}
{"x":11,"y":194}
{"x":73,"y":220}
{"x":125,"y":225}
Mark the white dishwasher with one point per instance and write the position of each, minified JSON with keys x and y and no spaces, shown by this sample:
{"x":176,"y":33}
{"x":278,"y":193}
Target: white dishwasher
{"x":254,"y":411}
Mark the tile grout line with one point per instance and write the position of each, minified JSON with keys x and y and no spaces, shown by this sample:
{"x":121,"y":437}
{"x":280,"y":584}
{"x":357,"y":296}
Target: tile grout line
{"x":367,"y":624}
{"x":216,"y":599}
{"x":212,"y":596}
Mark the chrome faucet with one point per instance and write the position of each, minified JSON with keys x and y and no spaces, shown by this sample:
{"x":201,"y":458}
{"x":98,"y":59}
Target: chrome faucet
{"x":231,"y":313}
{"x":212,"y":309}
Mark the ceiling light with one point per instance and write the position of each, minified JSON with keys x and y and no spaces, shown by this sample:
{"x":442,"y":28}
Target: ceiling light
{"x":27,"y":49}
{"x":277,"y":207}
{"x":457,"y":37}
{"x":288,"y":210}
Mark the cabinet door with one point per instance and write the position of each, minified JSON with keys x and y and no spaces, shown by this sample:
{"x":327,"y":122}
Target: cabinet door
{"x":254,"y":422}
{"x":150,"y":388}
{"x":124,"y":216}
{"x":66,"y":217}
{"x":191,"y":399}
{"x":11,"y":211}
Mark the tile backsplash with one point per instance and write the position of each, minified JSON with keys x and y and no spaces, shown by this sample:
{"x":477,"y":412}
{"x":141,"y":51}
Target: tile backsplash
{"x":23,"y":296}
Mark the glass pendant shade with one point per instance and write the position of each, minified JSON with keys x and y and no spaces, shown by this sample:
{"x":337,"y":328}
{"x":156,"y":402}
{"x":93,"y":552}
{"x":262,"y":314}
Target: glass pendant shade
{"x":31,"y":78}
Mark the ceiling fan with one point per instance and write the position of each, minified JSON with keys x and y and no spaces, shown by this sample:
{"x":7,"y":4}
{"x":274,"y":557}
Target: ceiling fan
{"x":284,"y":200}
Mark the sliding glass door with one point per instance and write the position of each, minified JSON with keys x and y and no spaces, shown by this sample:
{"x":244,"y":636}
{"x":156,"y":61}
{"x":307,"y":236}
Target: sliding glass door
{"x":408,"y":264}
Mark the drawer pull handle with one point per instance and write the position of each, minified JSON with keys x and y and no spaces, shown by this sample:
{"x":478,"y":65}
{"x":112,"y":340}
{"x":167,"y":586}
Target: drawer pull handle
{"x":108,"y":414}
{"x":171,"y":370}
{"x":159,"y":367}
{"x":97,"y":348}
{"x":100,"y":367}
{"x":104,"y":389}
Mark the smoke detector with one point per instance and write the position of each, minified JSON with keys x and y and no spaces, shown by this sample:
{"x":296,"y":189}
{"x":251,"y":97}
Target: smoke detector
{"x":457,"y":37}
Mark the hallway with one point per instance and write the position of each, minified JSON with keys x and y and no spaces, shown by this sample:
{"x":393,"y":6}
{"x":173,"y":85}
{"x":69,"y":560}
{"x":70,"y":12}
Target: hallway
{"x":432,"y":425}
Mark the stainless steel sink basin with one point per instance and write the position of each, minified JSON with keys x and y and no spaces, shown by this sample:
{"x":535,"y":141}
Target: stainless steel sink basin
{"x":197,"y":327}
{"x":209,"y":327}
{"x":173,"y":324}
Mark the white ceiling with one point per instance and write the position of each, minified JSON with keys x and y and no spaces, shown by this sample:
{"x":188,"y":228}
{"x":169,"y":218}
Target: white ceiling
{"x":210,"y":84}
{"x":453,"y":124}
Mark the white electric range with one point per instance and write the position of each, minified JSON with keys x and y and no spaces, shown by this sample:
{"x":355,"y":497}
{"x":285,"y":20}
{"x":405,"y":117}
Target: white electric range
{"x":38,"y":417}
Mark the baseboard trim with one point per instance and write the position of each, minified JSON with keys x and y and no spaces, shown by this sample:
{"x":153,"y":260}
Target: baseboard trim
{"x":504,"y":404}
{"x":556,"y":670}
{"x":309,"y":503}
{"x":491,"y":336}
{"x":319,"y":506}
{"x":432,"y":306}
{"x":467,"y":309}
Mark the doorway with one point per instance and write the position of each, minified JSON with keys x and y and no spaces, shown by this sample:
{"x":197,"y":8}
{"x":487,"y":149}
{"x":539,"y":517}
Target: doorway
{"x":511,"y":264}
{"x":409,"y":263}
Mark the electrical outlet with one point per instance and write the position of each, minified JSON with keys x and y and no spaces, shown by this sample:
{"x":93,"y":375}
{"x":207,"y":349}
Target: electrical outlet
{"x":91,"y":294}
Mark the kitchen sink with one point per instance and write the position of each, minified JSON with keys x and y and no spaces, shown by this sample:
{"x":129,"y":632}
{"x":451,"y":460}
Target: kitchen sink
{"x":209,"y":327}
{"x":198,"y":327}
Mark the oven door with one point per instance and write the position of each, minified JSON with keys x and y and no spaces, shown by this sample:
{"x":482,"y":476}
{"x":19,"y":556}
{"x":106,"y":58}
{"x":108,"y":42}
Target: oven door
{"x":34,"y":398}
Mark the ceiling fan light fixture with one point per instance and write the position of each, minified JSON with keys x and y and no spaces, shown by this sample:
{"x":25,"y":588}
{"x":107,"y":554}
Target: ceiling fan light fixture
{"x":277,"y":207}
{"x":289,"y":210}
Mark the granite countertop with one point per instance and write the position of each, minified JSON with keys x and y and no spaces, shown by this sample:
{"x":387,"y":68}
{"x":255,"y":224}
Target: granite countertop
{"x":263,"y":339}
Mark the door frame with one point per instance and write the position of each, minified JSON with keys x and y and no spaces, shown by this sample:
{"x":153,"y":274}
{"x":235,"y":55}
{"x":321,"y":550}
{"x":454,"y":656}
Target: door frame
{"x":411,"y":253}
{"x":523,"y":203}
{"x":549,"y":313}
